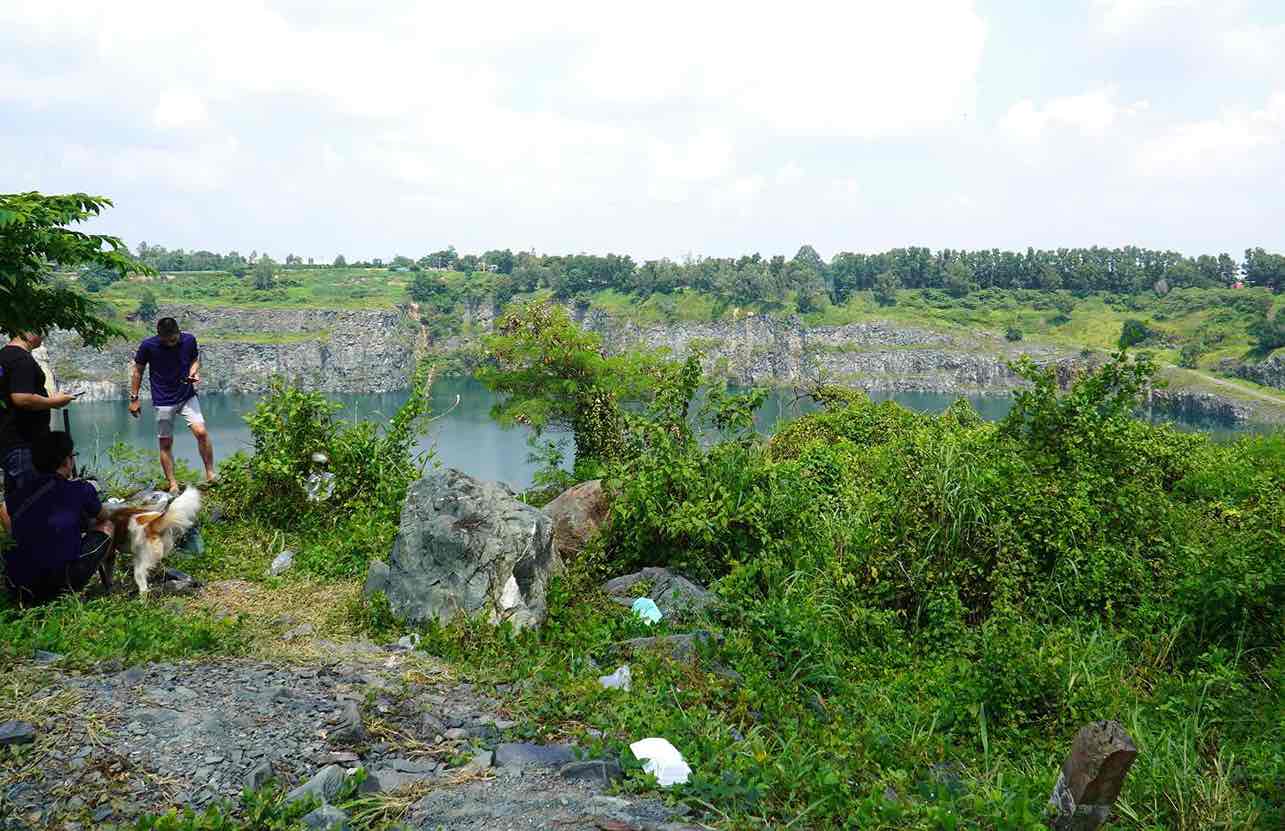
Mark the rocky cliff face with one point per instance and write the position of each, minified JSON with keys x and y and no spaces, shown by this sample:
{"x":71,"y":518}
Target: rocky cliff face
{"x":874,"y":355}
{"x":331,"y":350}
{"x":374,"y":351}
{"x":1269,"y":373}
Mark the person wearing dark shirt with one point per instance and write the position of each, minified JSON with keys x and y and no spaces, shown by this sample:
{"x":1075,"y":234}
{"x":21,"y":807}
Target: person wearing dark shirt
{"x":24,"y":411}
{"x":54,"y":553}
{"x":174,"y":364}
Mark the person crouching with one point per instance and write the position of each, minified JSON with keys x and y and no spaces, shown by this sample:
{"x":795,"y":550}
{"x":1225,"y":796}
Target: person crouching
{"x":62,"y":534}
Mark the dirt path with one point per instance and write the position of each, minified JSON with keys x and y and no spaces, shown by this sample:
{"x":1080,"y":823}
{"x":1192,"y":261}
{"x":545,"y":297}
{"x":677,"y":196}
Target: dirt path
{"x":114,"y":744}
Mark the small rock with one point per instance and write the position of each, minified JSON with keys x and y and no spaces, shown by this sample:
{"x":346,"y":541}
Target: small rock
{"x":680,"y":647}
{"x":102,"y":813}
{"x":455,"y":734}
{"x":378,"y":576}
{"x":621,"y":679}
{"x":674,"y":594}
{"x":43,"y":657}
{"x":16,"y":732}
{"x":281,"y":563}
{"x":351,"y":729}
{"x":176,"y":582}
{"x":481,"y":760}
{"x":593,"y":772}
{"x":408,"y":641}
{"x":258,"y":776}
{"x":326,"y":818}
{"x":324,"y":785}
{"x":300,"y":631}
{"x":408,"y":766}
{"x":524,"y":754}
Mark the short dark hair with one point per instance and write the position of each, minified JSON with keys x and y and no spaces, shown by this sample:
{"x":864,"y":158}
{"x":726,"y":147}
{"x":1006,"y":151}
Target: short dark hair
{"x":50,"y":450}
{"x":166,"y":326}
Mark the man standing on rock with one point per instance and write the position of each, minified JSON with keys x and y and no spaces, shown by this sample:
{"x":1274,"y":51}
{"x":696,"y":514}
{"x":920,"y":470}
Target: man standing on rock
{"x":175,"y":371}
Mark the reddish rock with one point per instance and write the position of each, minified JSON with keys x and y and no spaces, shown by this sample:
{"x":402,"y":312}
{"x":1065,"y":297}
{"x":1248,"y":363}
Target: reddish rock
{"x":578,"y":513}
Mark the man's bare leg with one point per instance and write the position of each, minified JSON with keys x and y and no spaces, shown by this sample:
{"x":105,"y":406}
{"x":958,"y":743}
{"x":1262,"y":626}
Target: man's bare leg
{"x":4,"y":519}
{"x":206,"y":449}
{"x":167,"y":462}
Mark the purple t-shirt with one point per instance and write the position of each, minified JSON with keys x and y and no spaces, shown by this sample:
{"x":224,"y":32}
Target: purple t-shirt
{"x":169,"y":367}
{"x":47,"y":531}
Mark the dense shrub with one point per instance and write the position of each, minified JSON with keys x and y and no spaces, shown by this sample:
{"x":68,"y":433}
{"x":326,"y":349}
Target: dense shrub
{"x":371,"y":469}
{"x":948,"y":588}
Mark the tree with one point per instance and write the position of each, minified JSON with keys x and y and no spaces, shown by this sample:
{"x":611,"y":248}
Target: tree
{"x":147,"y":306}
{"x":426,"y":287}
{"x":885,"y":288}
{"x":958,"y":279}
{"x":34,"y":240}
{"x":550,"y":373}
{"x":340,"y":262}
{"x":1264,"y":269}
{"x":807,"y":257}
{"x":1268,"y":332}
{"x":440,"y":259}
{"x":264,"y":274}
{"x":502,"y":260}
{"x":1133,"y":333}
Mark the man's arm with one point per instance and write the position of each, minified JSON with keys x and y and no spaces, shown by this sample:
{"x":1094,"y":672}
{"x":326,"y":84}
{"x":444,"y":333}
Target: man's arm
{"x":135,"y":381}
{"x":39,"y":403}
{"x":22,"y":392}
{"x":196,"y":361}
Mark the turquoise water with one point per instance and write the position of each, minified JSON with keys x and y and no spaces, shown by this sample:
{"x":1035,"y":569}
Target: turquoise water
{"x":463,"y":435}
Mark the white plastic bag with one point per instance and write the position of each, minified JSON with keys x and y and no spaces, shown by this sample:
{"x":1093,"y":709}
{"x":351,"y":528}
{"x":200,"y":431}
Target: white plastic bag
{"x":621,"y":679}
{"x":662,"y":760}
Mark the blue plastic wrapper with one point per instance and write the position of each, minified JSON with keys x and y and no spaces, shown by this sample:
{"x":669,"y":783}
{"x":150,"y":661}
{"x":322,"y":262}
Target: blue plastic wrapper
{"x":647,"y":609}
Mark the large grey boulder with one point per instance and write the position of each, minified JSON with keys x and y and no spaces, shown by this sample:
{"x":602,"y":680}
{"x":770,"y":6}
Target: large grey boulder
{"x":467,"y":546}
{"x":577,"y":514}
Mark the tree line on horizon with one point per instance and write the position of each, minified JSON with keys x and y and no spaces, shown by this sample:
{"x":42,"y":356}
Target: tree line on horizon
{"x":755,"y":278}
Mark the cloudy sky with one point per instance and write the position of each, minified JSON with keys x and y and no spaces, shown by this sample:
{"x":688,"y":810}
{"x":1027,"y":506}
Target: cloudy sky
{"x":656,"y":129}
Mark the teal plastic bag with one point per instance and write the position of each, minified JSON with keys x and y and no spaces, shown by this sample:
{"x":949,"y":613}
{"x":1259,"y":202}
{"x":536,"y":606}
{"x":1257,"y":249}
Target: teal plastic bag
{"x":647,"y":609}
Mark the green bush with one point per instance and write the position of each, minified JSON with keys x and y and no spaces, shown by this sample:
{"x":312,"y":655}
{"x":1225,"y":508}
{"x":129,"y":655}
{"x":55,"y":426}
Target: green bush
{"x":899,"y":590}
{"x":372,"y":468}
{"x":1134,"y":332}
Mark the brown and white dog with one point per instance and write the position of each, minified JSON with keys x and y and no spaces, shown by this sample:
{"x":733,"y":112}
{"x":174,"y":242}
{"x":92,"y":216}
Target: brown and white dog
{"x":152,"y":534}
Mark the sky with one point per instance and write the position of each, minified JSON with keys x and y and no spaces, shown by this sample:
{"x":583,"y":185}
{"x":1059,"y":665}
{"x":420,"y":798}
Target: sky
{"x":662,"y":129}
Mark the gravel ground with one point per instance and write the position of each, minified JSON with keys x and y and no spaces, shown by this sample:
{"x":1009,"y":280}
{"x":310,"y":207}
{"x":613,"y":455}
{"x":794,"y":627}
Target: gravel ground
{"x":117,"y":743}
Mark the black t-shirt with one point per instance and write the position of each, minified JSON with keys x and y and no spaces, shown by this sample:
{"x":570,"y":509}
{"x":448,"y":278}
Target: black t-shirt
{"x":19,"y":372}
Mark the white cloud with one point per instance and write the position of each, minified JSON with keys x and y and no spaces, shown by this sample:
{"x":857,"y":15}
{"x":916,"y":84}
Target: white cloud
{"x":1119,"y":16}
{"x":1092,"y":114}
{"x":179,"y":109}
{"x":1257,"y":46}
{"x":676,"y":167}
{"x":789,"y":173}
{"x":1214,"y":146}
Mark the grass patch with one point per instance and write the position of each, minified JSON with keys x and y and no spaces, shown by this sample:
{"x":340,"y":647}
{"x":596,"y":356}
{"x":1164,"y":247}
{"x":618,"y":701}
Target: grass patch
{"x":92,"y":629}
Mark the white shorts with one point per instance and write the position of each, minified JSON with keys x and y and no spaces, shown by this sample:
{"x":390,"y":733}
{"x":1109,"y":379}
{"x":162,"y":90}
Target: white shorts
{"x":191,"y":410}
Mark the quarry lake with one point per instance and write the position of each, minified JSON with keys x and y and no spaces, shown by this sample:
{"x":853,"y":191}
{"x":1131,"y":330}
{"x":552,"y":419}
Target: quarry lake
{"x":464,"y":436}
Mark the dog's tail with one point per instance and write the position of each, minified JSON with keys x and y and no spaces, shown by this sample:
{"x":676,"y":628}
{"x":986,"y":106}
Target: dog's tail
{"x":180,"y":515}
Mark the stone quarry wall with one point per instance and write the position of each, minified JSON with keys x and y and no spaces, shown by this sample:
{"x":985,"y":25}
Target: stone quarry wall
{"x":361,"y":351}
{"x":1269,"y":373}
{"x":331,"y":350}
{"x":873,"y":355}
